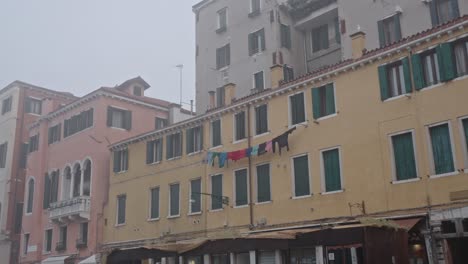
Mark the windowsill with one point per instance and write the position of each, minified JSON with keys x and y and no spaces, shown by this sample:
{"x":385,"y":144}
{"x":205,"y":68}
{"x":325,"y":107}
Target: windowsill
{"x":118,"y":128}
{"x":194,"y":153}
{"x":332,"y":192}
{"x":34,"y":114}
{"x":239,"y":141}
{"x":461,"y":78}
{"x":305,"y":123}
{"x":46,"y":253}
{"x":406,"y":181}
{"x":323,"y":52}
{"x":152,"y":219}
{"x":444,"y":175}
{"x":241,"y":206}
{"x":79,"y":132}
{"x":261,"y":135}
{"x":194,"y":214}
{"x":326,"y":117}
{"x":221,"y":30}
{"x":173,"y":216}
{"x":28,"y":214}
{"x":216,"y":210}
{"x":120,"y":172}
{"x":255,"y":55}
{"x":301,"y":197}
{"x":263,"y":203}
{"x":395,"y":98}
{"x":154,"y":163}
{"x":174,"y":158}
{"x":216,"y":147}
{"x":430,"y":87}
{"x":254,"y":13}
{"x":223,"y":68}
{"x":120,"y":225}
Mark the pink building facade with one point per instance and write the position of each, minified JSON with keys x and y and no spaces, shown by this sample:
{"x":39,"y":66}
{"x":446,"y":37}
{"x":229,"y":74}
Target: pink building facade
{"x":68,"y":169}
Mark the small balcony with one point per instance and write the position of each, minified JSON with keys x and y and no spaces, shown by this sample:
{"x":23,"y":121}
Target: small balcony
{"x":70,"y":210}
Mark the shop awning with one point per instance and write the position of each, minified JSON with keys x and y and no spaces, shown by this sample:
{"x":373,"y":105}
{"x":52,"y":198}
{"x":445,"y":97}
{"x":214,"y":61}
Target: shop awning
{"x":407,"y":224}
{"x":55,"y":260}
{"x":90,"y":260}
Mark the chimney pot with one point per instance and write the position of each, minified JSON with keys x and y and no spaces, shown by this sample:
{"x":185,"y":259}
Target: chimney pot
{"x":229,"y":93}
{"x":358,"y":43}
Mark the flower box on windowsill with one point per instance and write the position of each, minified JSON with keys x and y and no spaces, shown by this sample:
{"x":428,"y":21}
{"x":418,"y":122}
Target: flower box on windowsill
{"x":221,"y":30}
{"x":254,"y":13}
{"x":81,"y":243}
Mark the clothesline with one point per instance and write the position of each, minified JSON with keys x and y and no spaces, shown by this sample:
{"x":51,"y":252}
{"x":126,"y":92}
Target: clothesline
{"x":280,"y":141}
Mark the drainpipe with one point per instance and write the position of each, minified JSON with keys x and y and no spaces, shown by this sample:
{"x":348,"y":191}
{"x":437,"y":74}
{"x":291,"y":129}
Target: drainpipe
{"x":249,"y":144}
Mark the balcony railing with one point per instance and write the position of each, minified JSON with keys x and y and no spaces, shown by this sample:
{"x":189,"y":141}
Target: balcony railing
{"x":73,"y":209}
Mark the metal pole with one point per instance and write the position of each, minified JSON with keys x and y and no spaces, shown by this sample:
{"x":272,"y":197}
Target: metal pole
{"x":180,"y":66}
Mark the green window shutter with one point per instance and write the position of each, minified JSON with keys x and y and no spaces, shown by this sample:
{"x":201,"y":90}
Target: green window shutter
{"x":383,"y":79}
{"x":195,"y":190}
{"x":455,"y":11}
{"x":189,"y":140}
{"x":337,"y":31}
{"x":169,"y":147}
{"x":217,"y":192}
{"x":330,"y":99}
{"x":116,"y":161}
{"x":228,"y":54}
{"x":109,"y":116}
{"x":380,"y":26}
{"x":181,"y":141}
{"x":29,"y":206}
{"x":446,"y":64}
{"x":298,"y":107}
{"x":121,"y":201}
{"x":301,"y":176}
{"x":46,"y":200}
{"x":201,"y":137}
{"x":316,"y":103}
{"x":149,"y":152}
{"x":433,"y":10}
{"x":174,"y":192}
{"x":396,"y":19}
{"x":293,"y":103}
{"x":465,"y":129}
{"x":405,"y":162}
{"x":160,"y":149}
{"x":241,"y":187}
{"x":251,"y":44}
{"x":263,"y":183}
{"x":407,"y":75}
{"x":331,"y":165}
{"x":441,"y":149}
{"x":128,"y":120}
{"x":262,"y":37}
{"x":418,"y":73}
{"x":216,"y":130}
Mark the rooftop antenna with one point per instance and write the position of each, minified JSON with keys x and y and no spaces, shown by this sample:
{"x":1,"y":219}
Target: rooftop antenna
{"x":181,"y":67}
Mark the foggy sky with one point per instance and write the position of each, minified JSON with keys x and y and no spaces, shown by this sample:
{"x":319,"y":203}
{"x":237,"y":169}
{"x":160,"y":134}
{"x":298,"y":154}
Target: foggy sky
{"x":81,"y":45}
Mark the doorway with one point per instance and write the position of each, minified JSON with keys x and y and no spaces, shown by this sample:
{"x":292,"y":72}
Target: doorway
{"x":458,"y":250}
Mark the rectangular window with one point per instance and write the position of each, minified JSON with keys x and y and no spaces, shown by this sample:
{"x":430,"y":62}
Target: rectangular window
{"x":320,"y":38}
{"x":26,"y":244}
{"x":121,"y":207}
{"x":34,"y":143}
{"x":255,"y":6}
{"x":54,"y":133}
{"x":430,"y":67}
{"x":241,"y":183}
{"x":395,"y":79}
{"x":323,"y":101}
{"x":78,"y":123}
{"x":137,"y":91}
{"x":6,"y":105}
{"x":19,"y":216}
{"x":83,"y":237}
{"x":443,"y":11}
{"x":154,"y":151}
{"x":174,"y":145}
{"x":216,"y":133}
{"x":301,"y":176}
{"x":194,"y":139}
{"x":239,"y":126}
{"x":195,"y":196}
{"x":119,"y":118}
{"x":220,"y":96}
{"x":460,"y":50}
{"x":174,"y":200}
{"x":261,"y":119}
{"x":441,"y":146}
{"x":121,"y":160}
{"x":288,"y":73}
{"x":3,"y":154}
{"x":263,"y":183}
{"x":24,"y":155}
{"x":160,"y":123}
{"x":404,"y":158}
{"x":465,"y":133}
{"x":296,"y":109}
{"x":223,"y":56}
{"x":331,"y":170}
{"x":62,"y":244}
{"x":257,"y":42}
{"x":33,"y":106}
{"x":285,"y":36}
{"x":389,"y":30}
{"x":259,"y":83}
{"x":154,"y":203}
{"x":217,"y":192}
{"x":222,"y":20}
{"x":48,"y":241}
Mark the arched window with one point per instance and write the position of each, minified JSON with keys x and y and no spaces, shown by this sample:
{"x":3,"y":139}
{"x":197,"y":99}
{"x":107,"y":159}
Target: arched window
{"x":29,"y":205}
{"x":77,"y":180}
{"x":67,"y":180}
{"x":87,"y":178}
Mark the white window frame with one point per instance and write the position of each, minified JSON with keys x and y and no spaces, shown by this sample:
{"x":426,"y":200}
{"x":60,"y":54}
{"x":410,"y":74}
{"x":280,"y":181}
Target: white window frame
{"x":117,"y":224}
{"x":36,"y":99}
{"x":26,"y":244}
{"x":464,"y":143}
{"x":123,"y":117}
{"x":190,"y":197}
{"x":169,"y":216}
{"x":431,"y":155}
{"x":26,"y":213}
{"x":155,"y":151}
{"x":234,"y":125}
{"x":150,"y":200}
{"x":290,"y":124}
{"x":256,"y":184}
{"x":220,"y":132}
{"x":218,"y":17}
{"x":254,"y":120}
{"x":293,"y":189}
{"x":44,"y":252}
{"x":322,"y":171}
{"x":121,"y":161}
{"x":235,"y":187}
{"x":211,"y":189}
{"x":253,"y":79}
{"x":392,"y":156}
{"x":174,"y":156}
{"x":334,"y":101}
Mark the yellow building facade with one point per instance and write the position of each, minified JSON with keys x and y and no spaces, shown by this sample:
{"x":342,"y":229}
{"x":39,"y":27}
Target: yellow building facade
{"x":380,"y":143}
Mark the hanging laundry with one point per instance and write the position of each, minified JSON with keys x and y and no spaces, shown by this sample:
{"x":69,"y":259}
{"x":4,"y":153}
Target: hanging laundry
{"x":248,"y":152}
{"x":209,"y":158}
{"x":261,"y":149}
{"x":222,"y":159}
{"x":269,"y":146}
{"x":213,"y":157}
{"x":282,"y":140}
{"x":254,"y":151}
{"x":237,"y":155}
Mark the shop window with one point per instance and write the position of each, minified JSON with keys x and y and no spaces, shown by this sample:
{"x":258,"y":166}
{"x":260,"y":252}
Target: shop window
{"x":241,"y":196}
{"x":220,"y":259}
{"x":448,"y":227}
{"x":395,"y":79}
{"x":217,"y":192}
{"x":301,"y":176}
{"x":297,"y":109}
{"x":267,"y":257}
{"x":154,"y":151}
{"x":303,"y":256}
{"x":174,"y":145}
{"x":174,"y":200}
{"x":195,"y":196}
{"x":465,"y":225}
{"x":404,"y":156}
{"x":323,"y":101}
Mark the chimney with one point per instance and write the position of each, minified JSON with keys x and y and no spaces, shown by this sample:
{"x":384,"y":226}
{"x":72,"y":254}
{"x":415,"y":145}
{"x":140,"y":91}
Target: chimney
{"x":212,"y":99}
{"x":229,"y":93}
{"x":277,"y":75}
{"x":358,"y":43}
